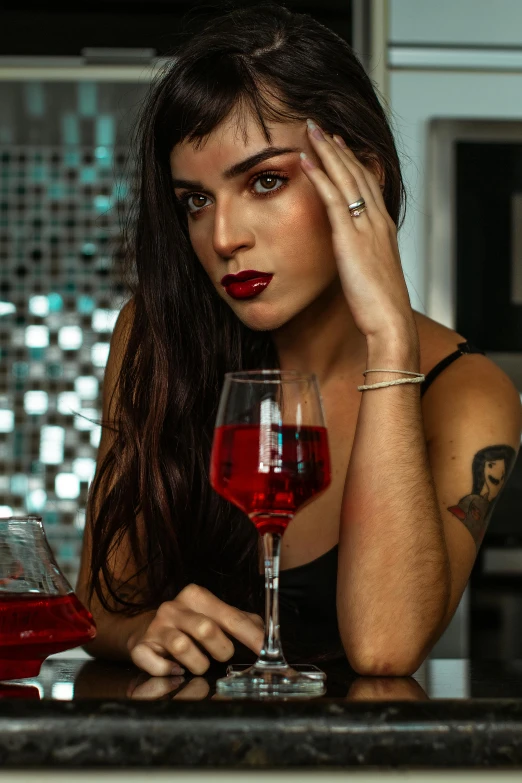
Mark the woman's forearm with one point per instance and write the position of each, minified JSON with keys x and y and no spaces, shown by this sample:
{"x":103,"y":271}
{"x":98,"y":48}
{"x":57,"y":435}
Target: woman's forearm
{"x":394,"y":578}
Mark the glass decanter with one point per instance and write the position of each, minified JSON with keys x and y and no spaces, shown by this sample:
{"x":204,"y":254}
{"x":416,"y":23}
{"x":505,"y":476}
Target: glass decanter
{"x":39,"y":612}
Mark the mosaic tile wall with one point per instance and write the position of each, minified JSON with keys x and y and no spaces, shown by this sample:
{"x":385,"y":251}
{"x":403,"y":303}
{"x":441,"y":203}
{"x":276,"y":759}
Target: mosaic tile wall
{"x":66,"y":180}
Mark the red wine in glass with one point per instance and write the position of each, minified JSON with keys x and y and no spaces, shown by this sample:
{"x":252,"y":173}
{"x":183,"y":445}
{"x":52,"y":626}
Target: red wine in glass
{"x":270,"y":498}
{"x":270,"y":457}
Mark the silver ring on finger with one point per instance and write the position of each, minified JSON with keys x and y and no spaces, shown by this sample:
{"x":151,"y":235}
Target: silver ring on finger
{"x":357,"y":208}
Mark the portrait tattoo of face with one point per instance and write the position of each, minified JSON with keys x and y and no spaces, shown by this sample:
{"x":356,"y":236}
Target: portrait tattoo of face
{"x":490,"y":468}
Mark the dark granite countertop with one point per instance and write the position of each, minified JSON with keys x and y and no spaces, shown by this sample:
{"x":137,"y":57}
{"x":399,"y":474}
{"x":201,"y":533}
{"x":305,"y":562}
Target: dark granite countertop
{"x":91,"y":713}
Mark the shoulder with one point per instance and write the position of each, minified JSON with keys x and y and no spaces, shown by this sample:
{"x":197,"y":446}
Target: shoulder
{"x":118,"y":344}
{"x":125,"y":318}
{"x":472,"y":388}
{"x":121,"y":331}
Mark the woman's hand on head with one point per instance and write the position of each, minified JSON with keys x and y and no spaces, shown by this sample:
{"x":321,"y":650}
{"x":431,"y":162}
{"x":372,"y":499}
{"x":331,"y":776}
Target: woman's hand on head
{"x":365,"y":246}
{"x":195,"y":618}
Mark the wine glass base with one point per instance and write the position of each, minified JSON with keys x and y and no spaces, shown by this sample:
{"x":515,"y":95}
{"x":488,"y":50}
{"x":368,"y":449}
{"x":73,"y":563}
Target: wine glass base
{"x":262,"y":681}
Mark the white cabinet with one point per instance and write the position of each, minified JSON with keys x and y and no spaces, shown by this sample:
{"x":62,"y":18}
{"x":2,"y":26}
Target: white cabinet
{"x":456,"y":22}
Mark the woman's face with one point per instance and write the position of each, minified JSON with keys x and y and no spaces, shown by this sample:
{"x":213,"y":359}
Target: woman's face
{"x":273,"y":223}
{"x":494,"y":477}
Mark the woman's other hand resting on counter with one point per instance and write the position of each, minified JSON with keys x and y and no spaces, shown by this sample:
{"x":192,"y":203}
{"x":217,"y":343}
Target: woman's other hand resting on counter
{"x":193,"y":620}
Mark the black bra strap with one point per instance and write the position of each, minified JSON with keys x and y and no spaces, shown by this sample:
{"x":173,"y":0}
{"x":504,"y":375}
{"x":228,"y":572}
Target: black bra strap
{"x":462,"y":348}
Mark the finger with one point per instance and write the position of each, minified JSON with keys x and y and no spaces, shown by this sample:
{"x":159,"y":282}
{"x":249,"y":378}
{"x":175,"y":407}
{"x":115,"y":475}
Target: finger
{"x":150,"y":654}
{"x":208,"y":633}
{"x":152,"y":658}
{"x":370,"y":177}
{"x":257,"y":619}
{"x":156,"y":688}
{"x":335,"y":202}
{"x":347,"y":177}
{"x":233,"y":621}
{"x":186,"y":652}
{"x":361,"y":174}
{"x":195,"y":690}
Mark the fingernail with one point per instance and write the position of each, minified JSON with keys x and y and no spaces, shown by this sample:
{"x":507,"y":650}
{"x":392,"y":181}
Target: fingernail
{"x":314,"y":130}
{"x":339,"y":141}
{"x":177,"y":669}
{"x":306,"y":160}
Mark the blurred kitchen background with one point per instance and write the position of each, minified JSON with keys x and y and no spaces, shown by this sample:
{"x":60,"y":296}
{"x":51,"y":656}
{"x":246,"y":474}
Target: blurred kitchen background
{"x":71,"y":82}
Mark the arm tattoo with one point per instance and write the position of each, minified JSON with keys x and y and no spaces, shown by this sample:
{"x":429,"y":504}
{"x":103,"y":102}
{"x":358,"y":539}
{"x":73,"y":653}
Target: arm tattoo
{"x":490,"y":468}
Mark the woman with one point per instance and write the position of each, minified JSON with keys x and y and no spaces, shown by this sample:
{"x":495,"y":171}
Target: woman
{"x":171,"y":570}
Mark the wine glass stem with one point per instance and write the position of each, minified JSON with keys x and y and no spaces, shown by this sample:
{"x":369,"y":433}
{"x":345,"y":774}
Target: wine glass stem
{"x":272,"y":652}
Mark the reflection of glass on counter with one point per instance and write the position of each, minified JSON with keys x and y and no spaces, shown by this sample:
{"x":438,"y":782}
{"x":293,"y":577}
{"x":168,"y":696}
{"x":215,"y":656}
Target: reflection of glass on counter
{"x":75,"y":675}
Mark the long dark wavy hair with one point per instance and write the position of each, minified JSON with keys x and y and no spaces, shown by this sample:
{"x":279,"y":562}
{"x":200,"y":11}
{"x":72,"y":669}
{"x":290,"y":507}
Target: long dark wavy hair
{"x":278,"y":66}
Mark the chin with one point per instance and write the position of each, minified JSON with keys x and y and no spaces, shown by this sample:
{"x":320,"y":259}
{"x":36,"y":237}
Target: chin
{"x":263,"y":324}
{"x":260,"y":319}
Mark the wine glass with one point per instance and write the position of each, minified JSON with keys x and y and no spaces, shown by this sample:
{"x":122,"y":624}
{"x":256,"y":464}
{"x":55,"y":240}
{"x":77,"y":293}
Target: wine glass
{"x":270,"y":457}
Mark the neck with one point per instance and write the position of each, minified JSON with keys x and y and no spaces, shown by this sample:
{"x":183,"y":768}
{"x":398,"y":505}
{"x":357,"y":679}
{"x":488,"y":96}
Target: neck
{"x":322,"y":339}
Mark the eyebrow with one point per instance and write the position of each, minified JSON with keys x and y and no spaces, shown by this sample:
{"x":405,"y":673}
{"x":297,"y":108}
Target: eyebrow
{"x":239,"y":168}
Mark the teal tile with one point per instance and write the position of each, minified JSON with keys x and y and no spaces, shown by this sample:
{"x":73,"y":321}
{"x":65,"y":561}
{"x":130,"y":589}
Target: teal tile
{"x":70,"y":129}
{"x":19,"y":484}
{"x":34,"y":99}
{"x":102,"y":203}
{"x":49,"y":518}
{"x":87,"y":99}
{"x":55,"y":302}
{"x":87,"y":175}
{"x":20,"y":369}
{"x":39,"y":173}
{"x":72,"y":157}
{"x":105,"y":130}
{"x":88,"y":249}
{"x":66,"y":549}
{"x":54,"y":370}
{"x":85,"y":305}
{"x":104,"y":156}
{"x":56,"y":191}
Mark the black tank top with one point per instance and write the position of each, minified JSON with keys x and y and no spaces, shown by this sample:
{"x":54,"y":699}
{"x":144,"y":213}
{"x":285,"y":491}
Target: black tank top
{"x":307,"y":593}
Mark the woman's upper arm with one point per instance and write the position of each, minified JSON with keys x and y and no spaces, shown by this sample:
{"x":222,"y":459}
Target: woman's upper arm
{"x":109,"y":403}
{"x":473,"y":423}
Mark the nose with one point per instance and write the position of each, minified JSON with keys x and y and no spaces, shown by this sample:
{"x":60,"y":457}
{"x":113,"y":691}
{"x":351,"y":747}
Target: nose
{"x":231,"y":231}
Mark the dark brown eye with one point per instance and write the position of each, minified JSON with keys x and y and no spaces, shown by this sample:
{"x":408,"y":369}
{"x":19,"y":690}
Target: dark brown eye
{"x":268,"y":181}
{"x":271,"y":180}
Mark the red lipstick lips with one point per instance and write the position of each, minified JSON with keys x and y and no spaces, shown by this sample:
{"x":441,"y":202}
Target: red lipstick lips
{"x":246,"y":284}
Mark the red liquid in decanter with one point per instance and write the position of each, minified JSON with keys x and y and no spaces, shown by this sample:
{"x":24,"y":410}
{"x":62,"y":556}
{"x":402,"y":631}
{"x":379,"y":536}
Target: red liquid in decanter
{"x":34,"y":626}
{"x":24,"y":692}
